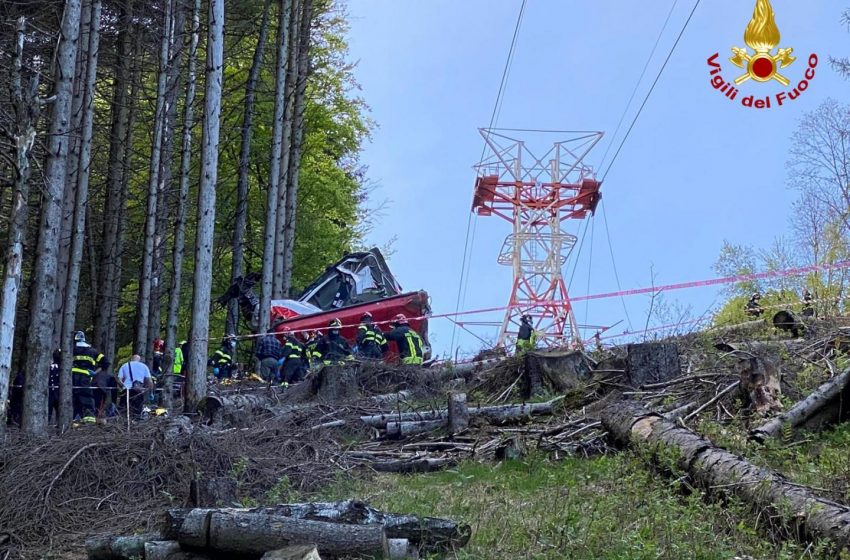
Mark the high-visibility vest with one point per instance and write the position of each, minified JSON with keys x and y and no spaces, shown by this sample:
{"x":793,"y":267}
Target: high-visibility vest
{"x":414,"y":348}
{"x":177,"y":369}
{"x":86,"y":360}
{"x":221,"y":358}
{"x":368,"y":334}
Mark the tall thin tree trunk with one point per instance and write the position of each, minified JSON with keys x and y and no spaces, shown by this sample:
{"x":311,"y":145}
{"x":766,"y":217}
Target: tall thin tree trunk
{"x":26,"y":109}
{"x":72,"y":169}
{"x":285,"y":12}
{"x":166,"y":173}
{"x":145,"y":274}
{"x":237,"y":268}
{"x":297,"y":142}
{"x":114,"y":211}
{"x":180,"y":221}
{"x":40,"y":337}
{"x":78,"y":232}
{"x":115,"y":300}
{"x":197,"y":380}
{"x":286,"y":145}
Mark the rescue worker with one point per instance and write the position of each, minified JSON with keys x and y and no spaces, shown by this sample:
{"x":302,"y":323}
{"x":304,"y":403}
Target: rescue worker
{"x":808,"y":307}
{"x":269,"y":351}
{"x":311,"y":346}
{"x":753,"y":306}
{"x":294,"y":358}
{"x":222,"y":360}
{"x":333,"y":347}
{"x":410,"y":345}
{"x":371,"y":343}
{"x":158,"y":347}
{"x":16,"y":400}
{"x":181,"y":352}
{"x":527,"y":337}
{"x":87,"y":361}
{"x":53,"y":387}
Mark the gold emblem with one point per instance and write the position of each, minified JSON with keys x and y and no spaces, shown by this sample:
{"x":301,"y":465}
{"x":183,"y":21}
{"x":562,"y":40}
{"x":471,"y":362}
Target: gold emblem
{"x":762,"y":36}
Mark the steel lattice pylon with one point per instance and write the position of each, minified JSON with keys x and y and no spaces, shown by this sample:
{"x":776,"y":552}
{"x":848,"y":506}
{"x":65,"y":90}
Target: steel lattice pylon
{"x":537,"y":194}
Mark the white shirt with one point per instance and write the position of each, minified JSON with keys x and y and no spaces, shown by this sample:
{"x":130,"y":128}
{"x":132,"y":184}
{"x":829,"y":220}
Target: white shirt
{"x":139,"y":371}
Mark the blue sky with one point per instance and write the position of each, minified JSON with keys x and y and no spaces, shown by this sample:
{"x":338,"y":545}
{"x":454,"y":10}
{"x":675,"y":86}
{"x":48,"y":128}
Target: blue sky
{"x":697,"y":168}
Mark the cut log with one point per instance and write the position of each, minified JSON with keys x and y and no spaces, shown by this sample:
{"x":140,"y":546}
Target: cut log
{"x":247,"y":533}
{"x":563,"y":371}
{"x":306,"y":552}
{"x":413,"y":465}
{"x":391,"y":398}
{"x":652,"y":362}
{"x":805,"y":514}
{"x":407,"y":429}
{"x":499,"y":413}
{"x":828,"y":403}
{"x":169,"y":550}
{"x":760,"y":384}
{"x":429,"y":534}
{"x":118,"y":548}
{"x":787,"y":321}
{"x":212,"y":492}
{"x":234,"y":409}
{"x":458,"y":413}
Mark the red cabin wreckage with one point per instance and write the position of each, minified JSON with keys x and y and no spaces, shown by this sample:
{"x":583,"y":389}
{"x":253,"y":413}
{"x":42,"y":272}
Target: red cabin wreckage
{"x":357,"y":283}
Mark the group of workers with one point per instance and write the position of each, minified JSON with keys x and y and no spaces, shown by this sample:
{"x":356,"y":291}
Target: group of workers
{"x":755,"y":310}
{"x":288,"y":361}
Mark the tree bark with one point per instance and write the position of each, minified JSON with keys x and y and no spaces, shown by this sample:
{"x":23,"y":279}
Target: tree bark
{"x":431,"y":534}
{"x":118,"y":548}
{"x":272,"y":210}
{"x":26,"y":110}
{"x":806,"y":515}
{"x":72,"y":168}
{"x":458,"y":413}
{"x":238,"y":268}
{"x":40,"y":337}
{"x":114,"y":209}
{"x":826,"y":404}
{"x":197,"y":379}
{"x":286,"y":145}
{"x":164,"y":194}
{"x":249,"y":533}
{"x":154,"y":187}
{"x":297,"y":143}
{"x":78,"y":231}
{"x":180,"y":220}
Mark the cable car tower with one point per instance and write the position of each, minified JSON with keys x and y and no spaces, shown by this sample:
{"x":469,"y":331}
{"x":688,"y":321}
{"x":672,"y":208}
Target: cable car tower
{"x":537,"y":195}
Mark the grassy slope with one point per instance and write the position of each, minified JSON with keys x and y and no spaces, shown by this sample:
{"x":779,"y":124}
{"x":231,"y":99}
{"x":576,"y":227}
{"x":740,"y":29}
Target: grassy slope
{"x":606,"y":507}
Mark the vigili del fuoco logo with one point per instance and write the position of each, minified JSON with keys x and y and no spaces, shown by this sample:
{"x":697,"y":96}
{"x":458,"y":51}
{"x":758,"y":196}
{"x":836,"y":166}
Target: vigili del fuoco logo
{"x":763,"y":62}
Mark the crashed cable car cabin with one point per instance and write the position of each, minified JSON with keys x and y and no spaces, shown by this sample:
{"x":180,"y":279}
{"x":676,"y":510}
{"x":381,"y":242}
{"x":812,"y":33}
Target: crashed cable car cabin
{"x":357,"y":283}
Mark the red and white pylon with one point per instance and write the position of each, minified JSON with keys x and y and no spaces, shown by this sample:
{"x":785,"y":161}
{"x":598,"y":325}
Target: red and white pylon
{"x":537,"y":194}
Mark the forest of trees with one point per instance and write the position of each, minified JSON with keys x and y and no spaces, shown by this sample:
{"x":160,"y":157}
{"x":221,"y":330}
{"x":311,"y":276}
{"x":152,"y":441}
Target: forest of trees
{"x":151,"y":152}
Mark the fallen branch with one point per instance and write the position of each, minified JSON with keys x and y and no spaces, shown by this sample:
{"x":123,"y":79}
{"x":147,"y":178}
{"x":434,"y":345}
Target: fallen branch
{"x":63,"y":469}
{"x":716,"y":398}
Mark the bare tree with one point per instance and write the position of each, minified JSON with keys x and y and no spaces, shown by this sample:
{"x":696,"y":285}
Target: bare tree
{"x":196,"y":380}
{"x":286,"y":145}
{"x":297,"y":141}
{"x":237,"y":268}
{"x":78,"y":231}
{"x":183,"y":197}
{"x":114,"y":208}
{"x":40,"y":337}
{"x":154,"y":187}
{"x":272,"y":208}
{"x":26,"y":108}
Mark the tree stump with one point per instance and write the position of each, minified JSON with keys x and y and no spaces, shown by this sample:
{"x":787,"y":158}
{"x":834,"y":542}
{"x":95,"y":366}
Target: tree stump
{"x":212,"y":492}
{"x":652,"y":362}
{"x":458,"y":413}
{"x":562,"y":371}
{"x":760,"y":384}
{"x":118,"y":548}
{"x":511,"y":448}
{"x":336,"y":384}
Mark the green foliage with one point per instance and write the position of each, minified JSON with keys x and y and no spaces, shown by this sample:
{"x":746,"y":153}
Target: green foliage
{"x":605,"y":507}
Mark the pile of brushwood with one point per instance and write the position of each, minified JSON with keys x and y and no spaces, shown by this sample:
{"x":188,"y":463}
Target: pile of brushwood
{"x":222,"y":483}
